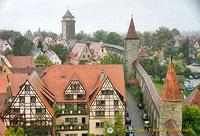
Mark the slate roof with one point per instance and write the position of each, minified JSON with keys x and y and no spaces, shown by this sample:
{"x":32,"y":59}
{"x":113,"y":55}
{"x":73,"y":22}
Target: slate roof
{"x":143,"y":53}
{"x":170,"y":91}
{"x":88,"y":74}
{"x":131,"y":31}
{"x":68,"y":15}
{"x":172,"y":126}
{"x":193,"y":98}
{"x":77,"y":50}
{"x":21,"y":61}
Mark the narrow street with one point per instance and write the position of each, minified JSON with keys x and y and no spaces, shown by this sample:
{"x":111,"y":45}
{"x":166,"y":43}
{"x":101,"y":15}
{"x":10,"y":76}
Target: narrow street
{"x":135,"y":116}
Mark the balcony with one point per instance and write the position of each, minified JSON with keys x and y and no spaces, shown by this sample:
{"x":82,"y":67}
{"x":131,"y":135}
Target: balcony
{"x":72,"y":127}
{"x":72,"y":112}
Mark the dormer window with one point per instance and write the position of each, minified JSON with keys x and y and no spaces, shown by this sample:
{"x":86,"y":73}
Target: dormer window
{"x":27,"y":87}
{"x":107,"y":92}
{"x":75,"y":86}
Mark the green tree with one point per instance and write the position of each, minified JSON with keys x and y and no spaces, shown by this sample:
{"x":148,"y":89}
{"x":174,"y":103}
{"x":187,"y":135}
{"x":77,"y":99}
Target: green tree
{"x":22,"y":46}
{"x":187,"y":72}
{"x":185,"y":48}
{"x":111,"y":59}
{"x":61,"y":51}
{"x":11,"y":132}
{"x":176,"y":32}
{"x":146,"y":39}
{"x":100,"y":36}
{"x":179,"y":67}
{"x":114,"y":38}
{"x":81,"y":35}
{"x":191,"y":119}
{"x":168,"y":49}
{"x":28,"y":35}
{"x":42,"y":61}
{"x":7,"y":34}
{"x":40,"y":45}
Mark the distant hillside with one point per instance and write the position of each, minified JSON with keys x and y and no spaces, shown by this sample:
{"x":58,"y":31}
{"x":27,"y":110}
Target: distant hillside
{"x":191,"y":33}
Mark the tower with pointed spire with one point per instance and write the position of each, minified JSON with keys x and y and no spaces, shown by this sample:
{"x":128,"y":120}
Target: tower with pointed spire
{"x":39,"y":33}
{"x":131,"y":47}
{"x":170,"y":101}
{"x":68,"y":26}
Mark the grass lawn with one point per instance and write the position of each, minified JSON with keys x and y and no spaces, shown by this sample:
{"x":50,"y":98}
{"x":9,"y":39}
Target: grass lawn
{"x":186,"y":93}
{"x":158,"y":85}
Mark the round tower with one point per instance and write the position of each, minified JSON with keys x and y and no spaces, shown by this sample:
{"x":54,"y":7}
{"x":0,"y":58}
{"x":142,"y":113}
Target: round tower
{"x":68,"y":26}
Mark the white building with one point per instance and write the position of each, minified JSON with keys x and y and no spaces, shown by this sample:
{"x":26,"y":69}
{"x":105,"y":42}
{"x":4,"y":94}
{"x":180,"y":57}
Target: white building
{"x":53,"y":57}
{"x":4,"y":45}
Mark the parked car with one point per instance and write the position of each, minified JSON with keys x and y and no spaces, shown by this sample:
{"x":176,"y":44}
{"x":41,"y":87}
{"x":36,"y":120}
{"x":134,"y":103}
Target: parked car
{"x":195,"y":76}
{"x":140,"y":106}
{"x":144,"y":116}
{"x":128,"y":120}
{"x":195,"y":64}
{"x":126,"y":113}
{"x":146,"y":124}
{"x":190,"y":77}
{"x":129,"y":131}
{"x":189,"y":87}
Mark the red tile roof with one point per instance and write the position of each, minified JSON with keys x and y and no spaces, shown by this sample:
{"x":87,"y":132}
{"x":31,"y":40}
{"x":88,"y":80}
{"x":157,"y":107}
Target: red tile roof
{"x":143,"y":53}
{"x":88,"y":74}
{"x":21,"y":61}
{"x":131,"y":31}
{"x":2,"y":127}
{"x":170,"y":125}
{"x":41,"y":90}
{"x":95,"y":47}
{"x":77,"y":50}
{"x":16,"y":80}
{"x":3,"y":98}
{"x":193,"y":98}
{"x":170,"y":91}
{"x":3,"y":83}
{"x":68,"y":15}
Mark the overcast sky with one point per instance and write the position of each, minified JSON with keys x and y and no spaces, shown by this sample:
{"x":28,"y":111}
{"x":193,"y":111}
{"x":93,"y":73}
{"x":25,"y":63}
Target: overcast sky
{"x":92,"y":15}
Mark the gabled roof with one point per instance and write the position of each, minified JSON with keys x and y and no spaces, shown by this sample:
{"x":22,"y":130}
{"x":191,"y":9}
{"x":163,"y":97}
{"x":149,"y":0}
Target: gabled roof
{"x":68,"y":15}
{"x":50,"y":53}
{"x":41,"y":91}
{"x":131,"y":31}
{"x":2,"y":128}
{"x":193,"y":98}
{"x":95,"y":47}
{"x":21,"y":61}
{"x":143,"y":53}
{"x":170,"y":125}
{"x":77,"y":50}
{"x":88,"y":74}
{"x":3,"y":83}
{"x":170,"y":91}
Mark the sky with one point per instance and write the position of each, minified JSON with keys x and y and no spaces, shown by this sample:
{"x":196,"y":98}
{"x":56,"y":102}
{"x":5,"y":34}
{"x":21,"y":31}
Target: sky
{"x":93,"y":15}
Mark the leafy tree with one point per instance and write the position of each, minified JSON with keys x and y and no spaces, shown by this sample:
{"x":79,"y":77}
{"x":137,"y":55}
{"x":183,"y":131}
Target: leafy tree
{"x":99,"y":36}
{"x":42,"y":61}
{"x":114,"y":38}
{"x":22,"y":46}
{"x":28,"y":34}
{"x":176,"y":32}
{"x":7,"y":34}
{"x":40,"y":45}
{"x":185,"y":48}
{"x":168,"y":49}
{"x":191,"y":119}
{"x":179,"y":67}
{"x":61,"y":51}
{"x":81,"y":35}
{"x":146,"y":39}
{"x":11,"y":132}
{"x":198,"y":58}
{"x":46,"y":34}
{"x":180,"y":55}
{"x":187,"y":72}
{"x":111,"y":59}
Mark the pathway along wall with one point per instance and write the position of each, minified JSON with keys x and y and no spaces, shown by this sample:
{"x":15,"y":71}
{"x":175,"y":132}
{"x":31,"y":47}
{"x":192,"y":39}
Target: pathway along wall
{"x":151,"y":98}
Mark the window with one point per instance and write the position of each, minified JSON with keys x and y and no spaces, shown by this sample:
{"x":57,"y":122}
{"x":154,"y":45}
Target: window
{"x":12,"y":122}
{"x":99,"y":124}
{"x":100,"y":135}
{"x":100,"y":102}
{"x":107,"y":92}
{"x":69,"y":96}
{"x":99,"y":113}
{"x":33,"y":99}
{"x":115,"y":102}
{"x":81,"y":105}
{"x":22,"y":99}
{"x":15,"y":110}
{"x":67,"y":106}
{"x":86,"y":50}
{"x":40,"y":110}
{"x":116,"y":112}
{"x":83,"y":56}
{"x":88,"y":56}
{"x":71,"y":120}
{"x":75,"y":86}
{"x":27,"y":87}
{"x":102,"y":50}
{"x":80,"y":96}
{"x":71,"y":134}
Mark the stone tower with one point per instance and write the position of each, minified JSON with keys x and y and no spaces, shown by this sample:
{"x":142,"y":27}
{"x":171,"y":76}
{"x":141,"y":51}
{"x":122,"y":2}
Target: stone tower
{"x":170,"y":101}
{"x":131,"y":47}
{"x":68,"y":26}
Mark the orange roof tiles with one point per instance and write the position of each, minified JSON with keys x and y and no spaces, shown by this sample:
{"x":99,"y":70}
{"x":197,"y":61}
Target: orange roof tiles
{"x":77,"y":50}
{"x":172,"y":126}
{"x":2,"y":127}
{"x":143,"y":53}
{"x":21,"y":61}
{"x":95,"y":47}
{"x":131,"y":31}
{"x":170,"y":91}
{"x":3,"y":83}
{"x":88,"y":74}
{"x":193,"y":98}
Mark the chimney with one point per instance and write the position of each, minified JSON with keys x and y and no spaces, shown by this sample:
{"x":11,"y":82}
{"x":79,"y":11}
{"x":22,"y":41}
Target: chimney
{"x":101,"y":75}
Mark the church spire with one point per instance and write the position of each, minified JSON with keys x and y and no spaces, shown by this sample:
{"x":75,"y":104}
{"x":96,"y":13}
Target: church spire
{"x":131,"y":31}
{"x":39,"y":33}
{"x":170,"y":91}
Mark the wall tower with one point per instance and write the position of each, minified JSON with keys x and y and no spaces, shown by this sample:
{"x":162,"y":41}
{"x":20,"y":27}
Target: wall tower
{"x":131,"y":47}
{"x":68,"y":26}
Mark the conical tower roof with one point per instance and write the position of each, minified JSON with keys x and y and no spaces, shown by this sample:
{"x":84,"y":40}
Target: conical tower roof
{"x":68,"y":15}
{"x":170,"y":91}
{"x":131,"y":31}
